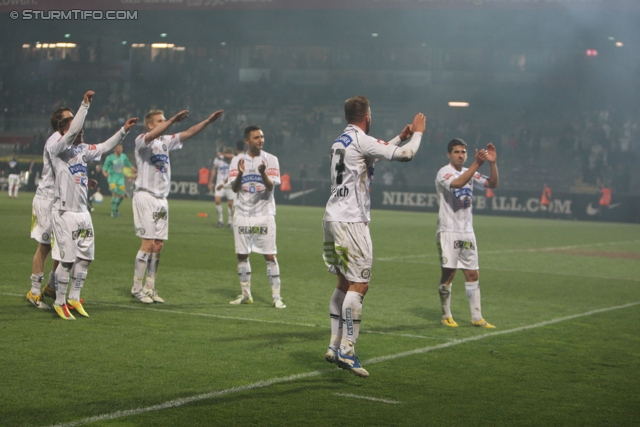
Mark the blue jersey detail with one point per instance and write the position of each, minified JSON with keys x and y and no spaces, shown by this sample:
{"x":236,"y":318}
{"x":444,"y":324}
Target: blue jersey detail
{"x":74,"y":169}
{"x":251,"y":178}
{"x":344,"y":139}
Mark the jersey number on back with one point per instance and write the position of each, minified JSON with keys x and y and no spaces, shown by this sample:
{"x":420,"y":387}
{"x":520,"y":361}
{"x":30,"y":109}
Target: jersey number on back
{"x":339,"y":167}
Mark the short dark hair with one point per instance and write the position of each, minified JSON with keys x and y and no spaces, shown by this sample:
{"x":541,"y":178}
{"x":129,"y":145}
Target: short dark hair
{"x":356,"y":108}
{"x":56,"y":116}
{"x":240,"y":145}
{"x":62,"y":123}
{"x":454,"y":143}
{"x":249,"y":129}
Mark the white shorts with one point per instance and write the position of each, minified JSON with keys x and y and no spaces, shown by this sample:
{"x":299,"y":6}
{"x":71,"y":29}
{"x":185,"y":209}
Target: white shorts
{"x":457,"y":250}
{"x":41,"y":219}
{"x":348,"y":248}
{"x":73,"y":236}
{"x":150,"y":216}
{"x":14,"y":179}
{"x":226,"y":191}
{"x":255,"y":234}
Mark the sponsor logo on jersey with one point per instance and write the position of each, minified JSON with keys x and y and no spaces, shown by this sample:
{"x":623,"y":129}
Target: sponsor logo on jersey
{"x":233,"y":173}
{"x":251,"y":178}
{"x":447,"y":176}
{"x":477,"y":175}
{"x":160,"y":161}
{"x":461,"y":244}
{"x":256,"y":229}
{"x":382,"y":142}
{"x":164,"y":146}
{"x":344,"y":139}
{"x":464,"y":196}
{"x":273,"y":172}
{"x":74,"y":169}
{"x":91,"y":146}
{"x":82,"y":233}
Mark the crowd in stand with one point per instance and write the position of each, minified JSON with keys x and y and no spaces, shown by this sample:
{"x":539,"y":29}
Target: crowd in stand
{"x":298,"y":120}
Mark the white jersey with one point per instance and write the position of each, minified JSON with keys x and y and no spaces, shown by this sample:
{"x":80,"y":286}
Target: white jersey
{"x":254,"y":199}
{"x":46,"y":187}
{"x":353,"y":156}
{"x":70,"y":164}
{"x":154,"y":170}
{"x":455,"y":203}
{"x":222,"y":168}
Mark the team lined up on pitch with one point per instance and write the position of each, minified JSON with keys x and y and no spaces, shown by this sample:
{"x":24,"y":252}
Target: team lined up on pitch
{"x":61,"y":222}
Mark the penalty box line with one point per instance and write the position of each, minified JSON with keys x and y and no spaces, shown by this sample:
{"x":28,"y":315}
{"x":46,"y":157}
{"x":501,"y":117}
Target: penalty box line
{"x":266,"y":383}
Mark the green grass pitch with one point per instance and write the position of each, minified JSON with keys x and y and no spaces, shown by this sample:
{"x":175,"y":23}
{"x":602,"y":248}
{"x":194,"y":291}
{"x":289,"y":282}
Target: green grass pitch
{"x":565,"y":297}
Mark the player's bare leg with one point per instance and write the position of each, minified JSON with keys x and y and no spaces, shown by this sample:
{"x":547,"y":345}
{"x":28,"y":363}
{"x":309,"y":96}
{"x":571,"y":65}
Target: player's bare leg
{"x":273,"y":273}
{"x":244,"y":274}
{"x":472,"y":286}
{"x":142,"y":260}
{"x":34,"y":296}
{"x":445,"y":297}
{"x":219,"y":210}
{"x":335,"y":316}
{"x":351,"y":317}
{"x":152,"y":270}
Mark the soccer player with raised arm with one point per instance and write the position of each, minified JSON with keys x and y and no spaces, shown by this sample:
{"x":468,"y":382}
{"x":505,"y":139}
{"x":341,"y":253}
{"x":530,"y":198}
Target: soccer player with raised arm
{"x":253,"y":176}
{"x":72,"y":226}
{"x":41,"y":208}
{"x":455,"y":238}
{"x":348,"y":250}
{"x":150,"y":207}
{"x":113,"y":170}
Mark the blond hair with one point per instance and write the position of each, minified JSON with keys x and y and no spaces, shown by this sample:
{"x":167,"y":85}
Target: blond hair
{"x":150,"y":115}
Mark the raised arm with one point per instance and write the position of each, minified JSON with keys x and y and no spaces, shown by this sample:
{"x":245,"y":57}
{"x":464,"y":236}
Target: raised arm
{"x":75,"y":127}
{"x":407,"y":151}
{"x":463,"y":179}
{"x":492,"y":157}
{"x":265,"y":178}
{"x":161,"y":128}
{"x":117,"y":138}
{"x":196,"y":129}
{"x":237,"y":182}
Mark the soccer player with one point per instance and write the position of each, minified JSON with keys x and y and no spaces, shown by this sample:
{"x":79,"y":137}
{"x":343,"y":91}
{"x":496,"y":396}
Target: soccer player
{"x":220,"y":171}
{"x":41,"y":208}
{"x":112,"y":170}
{"x":14,"y":177}
{"x":253,"y":176}
{"x":348,"y":251}
{"x":150,"y":207}
{"x":454,"y":236}
{"x":72,"y":226}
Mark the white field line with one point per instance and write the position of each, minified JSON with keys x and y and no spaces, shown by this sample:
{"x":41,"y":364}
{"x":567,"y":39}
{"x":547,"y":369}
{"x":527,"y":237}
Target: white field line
{"x":508,"y":251}
{"x":261,"y":384}
{"x":244,"y":319}
{"x":373,"y":399}
{"x":552,"y":273}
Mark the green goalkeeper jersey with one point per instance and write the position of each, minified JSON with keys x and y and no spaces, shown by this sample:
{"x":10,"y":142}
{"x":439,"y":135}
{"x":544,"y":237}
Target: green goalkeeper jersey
{"x":114,"y":165}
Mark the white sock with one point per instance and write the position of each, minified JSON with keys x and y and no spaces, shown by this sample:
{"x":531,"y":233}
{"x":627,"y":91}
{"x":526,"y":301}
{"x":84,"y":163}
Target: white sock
{"x":229,"y":215}
{"x":351,"y":315}
{"x":244,"y":272}
{"x":335,"y":310}
{"x":62,"y":281}
{"x":15,"y":191}
{"x":473,"y":293}
{"x":142,"y":258}
{"x":52,"y":280}
{"x":219,"y":209}
{"x":273,"y":273}
{"x":36,"y":283}
{"x":78,"y":276}
{"x":152,"y":270}
{"x":445,"y":300}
